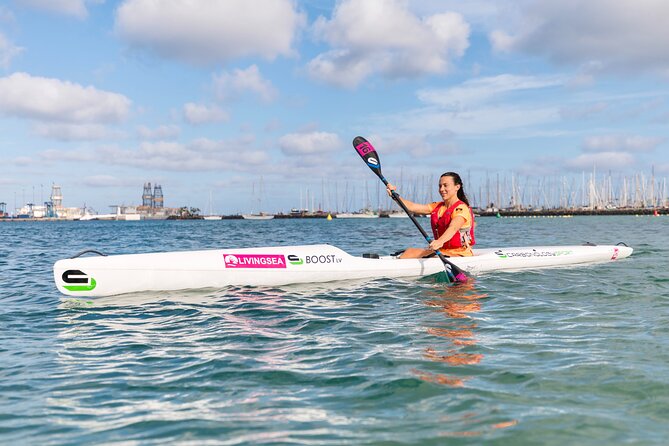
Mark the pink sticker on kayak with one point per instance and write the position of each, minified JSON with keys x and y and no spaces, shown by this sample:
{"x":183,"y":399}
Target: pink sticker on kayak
{"x":615,"y":253}
{"x":254,"y":260}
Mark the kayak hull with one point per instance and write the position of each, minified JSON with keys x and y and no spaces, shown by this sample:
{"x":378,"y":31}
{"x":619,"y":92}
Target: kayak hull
{"x":274,"y":266}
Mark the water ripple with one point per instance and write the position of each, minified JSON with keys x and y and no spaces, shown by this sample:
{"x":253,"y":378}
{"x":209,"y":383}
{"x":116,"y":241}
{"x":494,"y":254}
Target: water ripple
{"x":567,"y":356}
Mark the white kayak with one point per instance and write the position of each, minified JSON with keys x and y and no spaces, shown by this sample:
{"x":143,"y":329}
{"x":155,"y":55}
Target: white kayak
{"x":273,"y":266}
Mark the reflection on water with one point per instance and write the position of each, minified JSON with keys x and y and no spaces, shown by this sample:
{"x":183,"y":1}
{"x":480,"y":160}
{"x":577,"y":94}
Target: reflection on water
{"x":458,"y":304}
{"x":453,"y":357}
{"x":131,"y":353}
{"x":255,"y":355}
{"x":472,"y":419}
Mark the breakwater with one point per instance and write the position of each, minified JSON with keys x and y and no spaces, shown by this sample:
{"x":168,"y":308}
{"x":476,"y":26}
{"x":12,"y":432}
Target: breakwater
{"x":572,"y":212}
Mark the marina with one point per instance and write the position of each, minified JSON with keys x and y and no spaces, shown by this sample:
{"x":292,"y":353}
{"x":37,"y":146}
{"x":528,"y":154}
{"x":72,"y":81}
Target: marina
{"x":525,"y":196}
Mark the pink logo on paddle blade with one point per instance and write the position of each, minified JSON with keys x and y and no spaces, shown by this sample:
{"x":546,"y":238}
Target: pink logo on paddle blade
{"x":254,"y":260}
{"x":364,"y":148}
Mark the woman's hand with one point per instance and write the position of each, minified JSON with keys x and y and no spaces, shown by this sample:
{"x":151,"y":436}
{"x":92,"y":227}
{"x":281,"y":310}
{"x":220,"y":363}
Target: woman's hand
{"x":390,"y":188}
{"x":436,"y":244}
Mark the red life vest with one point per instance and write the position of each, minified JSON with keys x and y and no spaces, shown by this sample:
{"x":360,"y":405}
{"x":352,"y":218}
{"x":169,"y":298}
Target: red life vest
{"x":464,"y":237}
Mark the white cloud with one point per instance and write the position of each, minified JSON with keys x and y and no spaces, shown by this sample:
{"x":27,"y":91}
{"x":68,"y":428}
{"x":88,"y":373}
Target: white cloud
{"x":4,"y":181}
{"x":512,"y":106}
{"x":198,"y":155}
{"x":110,"y":181}
{"x":74,"y":8}
{"x":601,"y":160}
{"x":476,"y":11}
{"x":205,"y":31}
{"x":75,"y":132}
{"x":231,"y":85}
{"x":479,"y":106}
{"x":6,"y":16}
{"x":543,"y":166}
{"x":502,"y":41}
{"x":581,"y":111}
{"x":627,"y":36}
{"x":558,"y":163}
{"x":48,"y":99}
{"x":477,"y":121}
{"x":160,"y":132}
{"x":383,"y":36}
{"x":417,"y":145}
{"x":202,"y":114}
{"x":8,"y":51}
{"x":23,"y":161}
{"x":77,"y":155}
{"x":340,"y":67}
{"x":309,"y":143}
{"x":621,"y":143}
{"x":482,"y":90}
{"x":617,"y":108}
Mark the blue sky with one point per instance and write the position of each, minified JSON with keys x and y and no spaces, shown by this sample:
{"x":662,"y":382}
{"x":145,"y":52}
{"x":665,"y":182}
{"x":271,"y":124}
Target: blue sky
{"x":256,"y":102}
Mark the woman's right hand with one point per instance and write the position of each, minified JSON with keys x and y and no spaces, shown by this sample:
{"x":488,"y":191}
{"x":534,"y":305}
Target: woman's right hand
{"x":390,"y":188}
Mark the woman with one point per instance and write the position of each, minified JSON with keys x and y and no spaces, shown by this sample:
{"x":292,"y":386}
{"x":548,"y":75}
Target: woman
{"x":452,"y":220}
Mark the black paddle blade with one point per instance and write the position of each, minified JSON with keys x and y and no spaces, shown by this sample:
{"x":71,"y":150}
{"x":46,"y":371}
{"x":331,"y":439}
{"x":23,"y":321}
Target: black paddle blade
{"x":369,"y":155}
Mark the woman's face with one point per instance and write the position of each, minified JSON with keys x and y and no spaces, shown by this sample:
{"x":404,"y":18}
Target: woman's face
{"x":447,"y":188}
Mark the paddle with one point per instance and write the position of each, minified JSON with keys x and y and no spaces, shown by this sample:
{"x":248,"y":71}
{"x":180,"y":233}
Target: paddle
{"x":369,"y":155}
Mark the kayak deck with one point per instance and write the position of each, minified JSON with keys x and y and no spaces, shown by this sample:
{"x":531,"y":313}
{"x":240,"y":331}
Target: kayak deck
{"x":274,"y":266}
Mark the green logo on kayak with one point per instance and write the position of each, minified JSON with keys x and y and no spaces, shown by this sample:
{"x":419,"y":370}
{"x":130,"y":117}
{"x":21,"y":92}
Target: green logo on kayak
{"x":78,"y":281}
{"x":533,"y":253}
{"x":295,"y":260}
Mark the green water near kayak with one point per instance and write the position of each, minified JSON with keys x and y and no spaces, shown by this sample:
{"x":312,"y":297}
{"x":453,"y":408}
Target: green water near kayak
{"x":553,"y":357}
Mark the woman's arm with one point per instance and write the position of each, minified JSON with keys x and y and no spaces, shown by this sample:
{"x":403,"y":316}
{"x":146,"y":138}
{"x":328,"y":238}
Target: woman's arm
{"x":416,"y":208}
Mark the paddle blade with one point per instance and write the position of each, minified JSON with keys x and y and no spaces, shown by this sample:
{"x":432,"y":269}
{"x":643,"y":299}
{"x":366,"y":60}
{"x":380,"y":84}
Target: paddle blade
{"x":461,"y":277}
{"x":454,"y":273}
{"x":369,"y":155}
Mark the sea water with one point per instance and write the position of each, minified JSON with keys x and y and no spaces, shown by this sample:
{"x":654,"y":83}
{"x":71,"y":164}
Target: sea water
{"x":551,"y":357}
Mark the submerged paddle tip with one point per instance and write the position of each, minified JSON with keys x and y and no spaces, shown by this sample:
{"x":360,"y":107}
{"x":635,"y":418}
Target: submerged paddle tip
{"x":461,"y":278}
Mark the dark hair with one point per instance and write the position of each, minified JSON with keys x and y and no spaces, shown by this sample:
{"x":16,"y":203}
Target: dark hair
{"x":457,"y":180}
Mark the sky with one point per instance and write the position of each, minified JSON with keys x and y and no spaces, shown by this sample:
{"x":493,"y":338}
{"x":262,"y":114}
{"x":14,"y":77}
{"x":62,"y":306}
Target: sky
{"x":246,"y":105}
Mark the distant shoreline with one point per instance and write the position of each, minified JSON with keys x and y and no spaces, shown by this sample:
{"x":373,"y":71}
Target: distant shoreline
{"x":572,"y":212}
{"x":502,"y":214}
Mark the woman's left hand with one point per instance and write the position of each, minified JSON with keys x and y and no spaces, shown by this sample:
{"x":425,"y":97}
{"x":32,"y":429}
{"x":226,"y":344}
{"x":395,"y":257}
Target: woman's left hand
{"x":436,"y":244}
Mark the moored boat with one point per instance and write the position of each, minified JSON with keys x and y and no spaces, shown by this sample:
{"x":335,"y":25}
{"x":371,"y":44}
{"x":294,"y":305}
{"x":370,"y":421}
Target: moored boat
{"x":274,"y":266}
{"x":260,"y":216}
{"x":398,"y":214}
{"x":364,"y":213}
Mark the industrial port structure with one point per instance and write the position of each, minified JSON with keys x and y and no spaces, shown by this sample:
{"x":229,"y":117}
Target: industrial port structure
{"x":152,"y":208}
